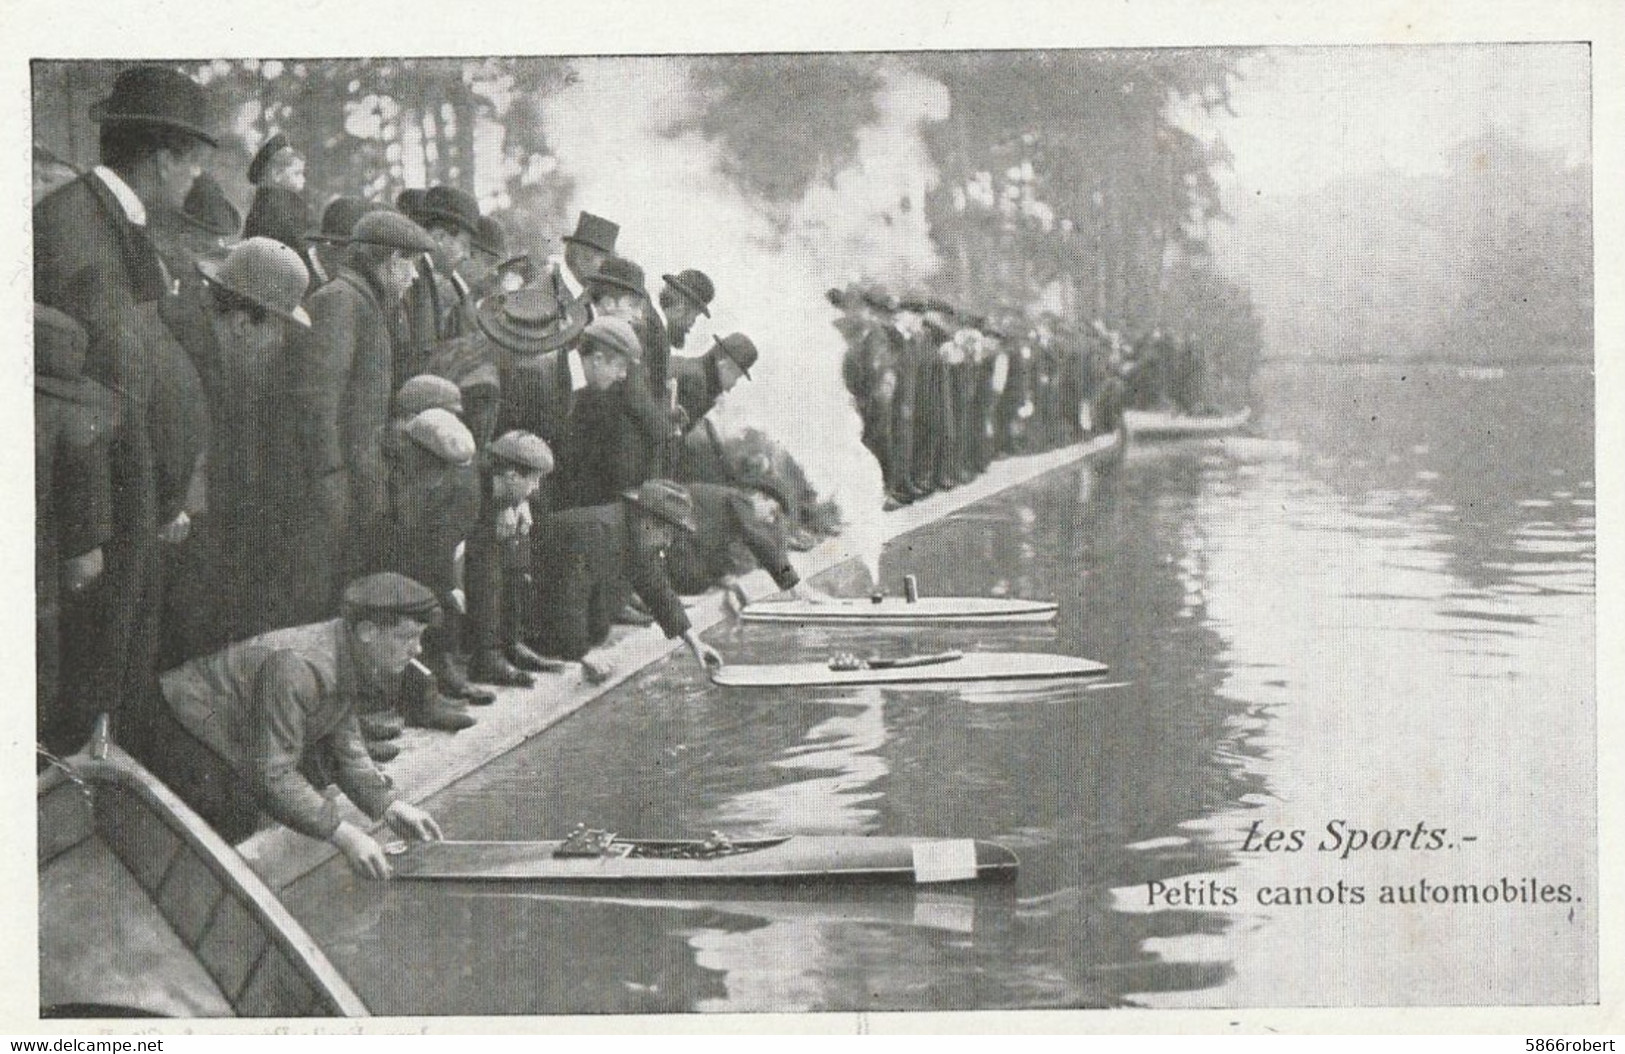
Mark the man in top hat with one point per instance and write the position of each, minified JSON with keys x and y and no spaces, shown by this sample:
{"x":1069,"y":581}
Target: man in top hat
{"x":265,"y":725}
{"x":232,"y":586}
{"x":342,"y":379}
{"x":590,"y":561}
{"x":156,"y":131}
{"x":279,"y":209}
{"x":701,"y":382}
{"x":585,"y":250}
{"x":73,"y":516}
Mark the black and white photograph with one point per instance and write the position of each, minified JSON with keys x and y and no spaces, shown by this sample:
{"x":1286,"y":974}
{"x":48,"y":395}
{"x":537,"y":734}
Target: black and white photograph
{"x":944,"y":526}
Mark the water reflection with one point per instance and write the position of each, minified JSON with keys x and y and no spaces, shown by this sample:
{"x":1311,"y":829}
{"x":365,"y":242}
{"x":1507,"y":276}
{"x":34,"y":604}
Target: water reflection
{"x":1385,"y":621}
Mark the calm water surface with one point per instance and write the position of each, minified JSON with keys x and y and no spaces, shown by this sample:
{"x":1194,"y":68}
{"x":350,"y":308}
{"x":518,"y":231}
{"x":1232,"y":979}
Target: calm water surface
{"x":1380,"y":611}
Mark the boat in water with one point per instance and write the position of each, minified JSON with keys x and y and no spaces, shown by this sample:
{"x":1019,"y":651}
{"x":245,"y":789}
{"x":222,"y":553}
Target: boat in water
{"x":591,"y":856}
{"x":146,"y":912}
{"x":1160,"y":424}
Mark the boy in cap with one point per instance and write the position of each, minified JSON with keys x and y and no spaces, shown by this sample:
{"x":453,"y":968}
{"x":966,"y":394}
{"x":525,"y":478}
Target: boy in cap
{"x":498,"y":561}
{"x":73,"y":515}
{"x":604,"y":444}
{"x":266,"y":724}
{"x":342,"y":371}
{"x":434,"y":505}
{"x":590,"y":561}
{"x":279,"y":209}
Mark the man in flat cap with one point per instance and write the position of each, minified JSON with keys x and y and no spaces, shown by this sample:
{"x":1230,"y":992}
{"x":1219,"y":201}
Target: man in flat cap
{"x":590,"y":561}
{"x":279,"y":209}
{"x":231,"y":586}
{"x":342,"y":372}
{"x":647,"y":405}
{"x":156,"y":131}
{"x":266,"y":724}
{"x":73,"y":516}
{"x":602,"y":449}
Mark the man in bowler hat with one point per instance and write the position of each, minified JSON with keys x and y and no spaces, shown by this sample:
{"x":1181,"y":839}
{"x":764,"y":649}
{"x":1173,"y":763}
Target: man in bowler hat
{"x":156,"y":131}
{"x":265,"y":725}
{"x":684,"y":297}
{"x":236,"y":332}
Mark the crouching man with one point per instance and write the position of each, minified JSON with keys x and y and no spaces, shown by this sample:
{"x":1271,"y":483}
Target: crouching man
{"x":590,"y":561}
{"x":734,"y":522}
{"x":267,"y":724}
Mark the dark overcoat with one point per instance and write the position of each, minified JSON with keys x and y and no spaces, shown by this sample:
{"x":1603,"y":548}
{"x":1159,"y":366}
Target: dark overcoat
{"x":340,"y":388}
{"x":728,"y":524}
{"x":586,"y":570}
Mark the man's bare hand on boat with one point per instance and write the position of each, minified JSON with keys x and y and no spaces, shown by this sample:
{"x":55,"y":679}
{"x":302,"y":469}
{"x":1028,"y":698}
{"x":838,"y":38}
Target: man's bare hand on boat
{"x":365,"y":856}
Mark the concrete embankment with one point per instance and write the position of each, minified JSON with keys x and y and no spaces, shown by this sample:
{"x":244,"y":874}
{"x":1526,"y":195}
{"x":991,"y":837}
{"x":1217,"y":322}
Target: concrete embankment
{"x":432,"y":761}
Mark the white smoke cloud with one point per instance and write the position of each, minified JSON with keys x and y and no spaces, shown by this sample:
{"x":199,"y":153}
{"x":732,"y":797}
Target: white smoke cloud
{"x":771,"y":264}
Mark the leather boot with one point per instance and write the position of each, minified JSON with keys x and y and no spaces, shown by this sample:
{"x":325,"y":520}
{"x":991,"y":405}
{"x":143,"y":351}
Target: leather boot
{"x":525,"y":658}
{"x":424,"y":707}
{"x":381,"y":751}
{"x":454,"y":682}
{"x":381,"y":724}
{"x":492,"y":667}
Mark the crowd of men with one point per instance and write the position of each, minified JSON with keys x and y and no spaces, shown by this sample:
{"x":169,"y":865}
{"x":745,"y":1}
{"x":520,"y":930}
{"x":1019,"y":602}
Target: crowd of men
{"x":302,"y":484}
{"x":943,"y":391}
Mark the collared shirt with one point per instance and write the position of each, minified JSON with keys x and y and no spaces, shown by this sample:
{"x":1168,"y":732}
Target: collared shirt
{"x":578,"y":372}
{"x":128,"y":200}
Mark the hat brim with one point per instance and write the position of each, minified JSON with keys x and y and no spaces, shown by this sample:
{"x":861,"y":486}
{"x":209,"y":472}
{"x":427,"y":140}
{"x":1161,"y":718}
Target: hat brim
{"x":99,"y":114}
{"x":327,"y":238}
{"x":672,"y":281}
{"x":617,"y":283}
{"x":210,"y":270}
{"x":719,"y":346}
{"x":691,"y":525}
{"x":460,"y":222}
{"x":489,"y":320}
{"x":608,"y":250}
